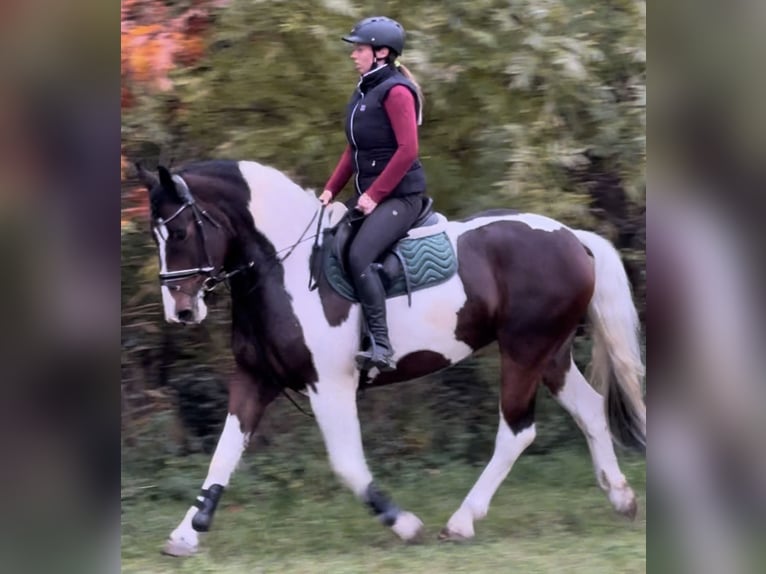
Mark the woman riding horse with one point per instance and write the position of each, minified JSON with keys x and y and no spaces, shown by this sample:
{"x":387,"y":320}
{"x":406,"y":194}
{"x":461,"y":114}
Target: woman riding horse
{"x":523,"y":281}
{"x":382,"y":152}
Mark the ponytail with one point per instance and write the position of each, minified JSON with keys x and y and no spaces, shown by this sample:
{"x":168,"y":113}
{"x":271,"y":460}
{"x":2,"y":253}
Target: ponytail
{"x":407,"y":74}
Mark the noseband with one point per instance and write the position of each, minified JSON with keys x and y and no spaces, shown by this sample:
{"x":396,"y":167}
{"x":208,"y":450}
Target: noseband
{"x":213,"y":279}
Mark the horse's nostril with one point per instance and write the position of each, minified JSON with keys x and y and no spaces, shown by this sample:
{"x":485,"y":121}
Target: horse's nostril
{"x":185,"y":315}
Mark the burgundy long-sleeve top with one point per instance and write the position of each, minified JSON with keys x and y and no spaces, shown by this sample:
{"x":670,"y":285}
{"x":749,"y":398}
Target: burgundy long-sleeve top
{"x":400,"y":108}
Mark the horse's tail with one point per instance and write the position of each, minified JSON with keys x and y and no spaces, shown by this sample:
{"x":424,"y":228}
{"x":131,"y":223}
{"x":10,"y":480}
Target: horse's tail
{"x":616,"y":368}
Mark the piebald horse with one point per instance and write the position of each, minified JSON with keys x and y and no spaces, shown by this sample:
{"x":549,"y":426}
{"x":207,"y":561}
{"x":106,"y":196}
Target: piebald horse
{"x":522,"y":280}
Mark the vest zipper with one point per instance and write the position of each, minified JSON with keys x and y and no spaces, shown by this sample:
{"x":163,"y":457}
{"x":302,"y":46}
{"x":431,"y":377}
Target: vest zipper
{"x":356,"y":149}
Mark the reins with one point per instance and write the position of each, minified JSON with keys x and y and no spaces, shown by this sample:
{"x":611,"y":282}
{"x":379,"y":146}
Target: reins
{"x":214,"y":280}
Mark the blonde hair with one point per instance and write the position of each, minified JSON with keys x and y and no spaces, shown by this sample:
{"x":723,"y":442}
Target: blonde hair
{"x":407,"y":74}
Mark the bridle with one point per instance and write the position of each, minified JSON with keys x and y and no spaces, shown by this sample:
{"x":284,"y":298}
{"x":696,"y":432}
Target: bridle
{"x":168,"y":278}
{"x":207,"y":269}
{"x":213,"y":279}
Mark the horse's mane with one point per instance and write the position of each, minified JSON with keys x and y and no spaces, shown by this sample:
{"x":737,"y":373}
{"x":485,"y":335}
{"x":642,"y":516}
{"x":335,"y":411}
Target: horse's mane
{"x":226,"y":186}
{"x":219,"y":168}
{"x":232,"y":184}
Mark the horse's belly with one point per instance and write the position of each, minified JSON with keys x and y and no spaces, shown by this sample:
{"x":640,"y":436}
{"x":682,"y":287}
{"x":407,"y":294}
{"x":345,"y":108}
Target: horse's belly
{"x":430,"y":323}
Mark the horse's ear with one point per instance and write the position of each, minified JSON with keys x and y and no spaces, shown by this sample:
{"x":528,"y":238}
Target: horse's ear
{"x":166,"y":180}
{"x":146,"y":177}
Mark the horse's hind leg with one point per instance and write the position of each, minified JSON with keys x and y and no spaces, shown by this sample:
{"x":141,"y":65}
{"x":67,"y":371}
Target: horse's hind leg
{"x":247,"y":401}
{"x":572,"y":391}
{"x":515,"y":433}
{"x":334,"y":405}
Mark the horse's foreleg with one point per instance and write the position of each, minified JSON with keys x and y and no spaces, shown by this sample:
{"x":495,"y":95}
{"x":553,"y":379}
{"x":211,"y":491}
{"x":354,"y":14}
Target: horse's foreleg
{"x":515,"y":433}
{"x":587,"y":407}
{"x":334,"y":406}
{"x":248,"y":399}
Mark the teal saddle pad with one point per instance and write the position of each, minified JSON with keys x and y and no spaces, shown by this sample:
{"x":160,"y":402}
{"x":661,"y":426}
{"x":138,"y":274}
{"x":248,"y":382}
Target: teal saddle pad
{"x":424,"y":262}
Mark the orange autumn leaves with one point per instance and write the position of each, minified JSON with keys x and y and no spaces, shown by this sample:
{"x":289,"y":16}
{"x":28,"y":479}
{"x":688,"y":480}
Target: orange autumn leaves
{"x":147,"y":57}
{"x":154,"y":42}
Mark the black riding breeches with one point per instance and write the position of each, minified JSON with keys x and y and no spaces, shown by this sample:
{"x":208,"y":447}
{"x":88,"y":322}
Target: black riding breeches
{"x":388,"y":222}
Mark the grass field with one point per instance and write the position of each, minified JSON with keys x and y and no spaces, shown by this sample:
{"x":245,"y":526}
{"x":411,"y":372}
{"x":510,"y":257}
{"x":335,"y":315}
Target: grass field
{"x":548,"y":516}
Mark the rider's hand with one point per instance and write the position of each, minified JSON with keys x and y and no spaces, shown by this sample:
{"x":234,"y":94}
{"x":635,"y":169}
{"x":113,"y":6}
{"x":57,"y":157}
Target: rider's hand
{"x":326,"y":197}
{"x":366,"y":204}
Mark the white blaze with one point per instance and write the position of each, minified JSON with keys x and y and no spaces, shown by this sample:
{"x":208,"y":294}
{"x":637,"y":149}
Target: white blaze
{"x":167,"y":299}
{"x":200,"y":309}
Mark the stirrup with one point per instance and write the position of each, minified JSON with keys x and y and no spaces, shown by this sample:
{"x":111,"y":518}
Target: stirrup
{"x":366,"y":360}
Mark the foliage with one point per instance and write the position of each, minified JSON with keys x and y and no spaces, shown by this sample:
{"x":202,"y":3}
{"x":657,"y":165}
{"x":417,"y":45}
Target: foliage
{"x":536,"y":105}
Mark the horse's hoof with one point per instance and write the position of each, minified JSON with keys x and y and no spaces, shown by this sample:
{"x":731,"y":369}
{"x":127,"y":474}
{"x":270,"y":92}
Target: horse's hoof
{"x":447,"y":535}
{"x":417,"y":538}
{"x":178,"y":548}
{"x":624,"y":502}
{"x":631,"y":511}
{"x":408,"y":527}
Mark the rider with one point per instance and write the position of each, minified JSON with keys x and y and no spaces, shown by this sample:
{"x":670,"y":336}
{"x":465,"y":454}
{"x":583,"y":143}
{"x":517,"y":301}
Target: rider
{"x":382,"y":153}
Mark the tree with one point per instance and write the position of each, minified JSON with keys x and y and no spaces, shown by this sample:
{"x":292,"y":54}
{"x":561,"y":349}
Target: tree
{"x":536,"y":105}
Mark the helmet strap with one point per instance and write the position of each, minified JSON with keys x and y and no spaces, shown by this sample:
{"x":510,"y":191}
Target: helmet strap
{"x":376,"y":60}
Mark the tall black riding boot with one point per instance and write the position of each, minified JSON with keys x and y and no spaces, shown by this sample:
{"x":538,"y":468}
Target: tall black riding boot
{"x":372,"y":296}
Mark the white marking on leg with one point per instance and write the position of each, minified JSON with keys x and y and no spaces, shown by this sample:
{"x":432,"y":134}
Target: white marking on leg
{"x":168,"y":303}
{"x":335,"y":409}
{"x":587,"y":407}
{"x":334,"y":406}
{"x":228,"y":453}
{"x":508,"y":447}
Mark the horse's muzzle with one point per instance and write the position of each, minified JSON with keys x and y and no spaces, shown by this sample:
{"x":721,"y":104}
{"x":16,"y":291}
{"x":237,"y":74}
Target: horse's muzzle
{"x":185,"y":316}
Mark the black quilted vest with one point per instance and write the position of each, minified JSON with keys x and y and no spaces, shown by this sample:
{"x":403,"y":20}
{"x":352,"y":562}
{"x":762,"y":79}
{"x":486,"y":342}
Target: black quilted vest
{"x":371,"y":136}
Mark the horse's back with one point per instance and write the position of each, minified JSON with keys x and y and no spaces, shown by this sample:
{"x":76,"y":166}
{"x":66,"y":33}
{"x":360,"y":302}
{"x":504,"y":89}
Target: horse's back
{"x":525,"y":272}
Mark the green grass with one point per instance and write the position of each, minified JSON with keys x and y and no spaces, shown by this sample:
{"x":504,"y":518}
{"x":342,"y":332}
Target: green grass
{"x":548,"y":516}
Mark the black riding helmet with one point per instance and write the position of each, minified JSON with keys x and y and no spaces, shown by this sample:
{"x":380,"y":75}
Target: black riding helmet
{"x":378,"y":32}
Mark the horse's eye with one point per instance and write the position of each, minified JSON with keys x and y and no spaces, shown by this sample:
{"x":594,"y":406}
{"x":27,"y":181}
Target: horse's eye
{"x":177,"y":234}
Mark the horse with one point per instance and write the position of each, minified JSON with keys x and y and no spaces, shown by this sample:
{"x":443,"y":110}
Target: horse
{"x":522,"y":280}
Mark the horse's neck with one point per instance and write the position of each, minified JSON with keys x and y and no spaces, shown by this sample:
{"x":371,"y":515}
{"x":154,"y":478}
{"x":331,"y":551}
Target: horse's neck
{"x":263,"y":315}
{"x":281,"y":209}
{"x":282,"y":223}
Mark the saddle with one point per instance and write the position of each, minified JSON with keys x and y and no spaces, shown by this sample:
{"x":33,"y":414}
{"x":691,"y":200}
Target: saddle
{"x":422,"y":258}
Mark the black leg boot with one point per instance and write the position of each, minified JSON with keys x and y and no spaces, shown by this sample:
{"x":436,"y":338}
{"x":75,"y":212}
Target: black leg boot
{"x":372,"y":296}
